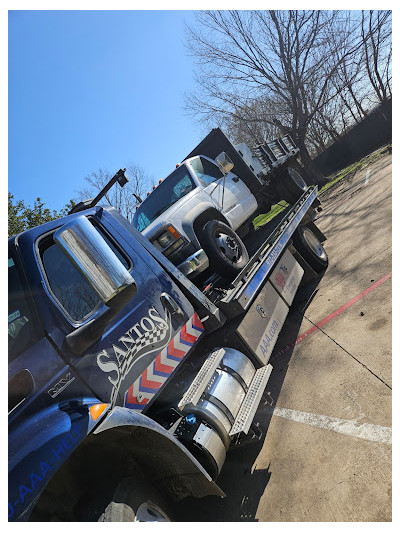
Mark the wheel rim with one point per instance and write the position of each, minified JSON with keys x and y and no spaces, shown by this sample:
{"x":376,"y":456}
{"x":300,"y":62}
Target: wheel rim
{"x":297,"y":178}
{"x":149,"y":512}
{"x":314,"y":244}
{"x":228,"y":246}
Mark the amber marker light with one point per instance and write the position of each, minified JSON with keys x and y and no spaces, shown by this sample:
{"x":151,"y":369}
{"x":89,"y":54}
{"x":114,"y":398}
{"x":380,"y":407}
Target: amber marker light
{"x":97,"y":410}
{"x":172,"y":230}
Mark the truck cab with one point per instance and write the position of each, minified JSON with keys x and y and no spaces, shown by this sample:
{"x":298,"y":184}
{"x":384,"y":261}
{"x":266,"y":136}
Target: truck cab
{"x":169,"y":216}
{"x":71,"y":347}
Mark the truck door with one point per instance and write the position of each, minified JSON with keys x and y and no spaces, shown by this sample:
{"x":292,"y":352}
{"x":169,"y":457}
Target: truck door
{"x":140,"y":347}
{"x":38,"y":381}
{"x":32,"y":361}
{"x":231,"y":196}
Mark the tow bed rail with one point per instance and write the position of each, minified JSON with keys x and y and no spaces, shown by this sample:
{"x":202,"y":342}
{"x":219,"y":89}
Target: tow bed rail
{"x":247,"y":284}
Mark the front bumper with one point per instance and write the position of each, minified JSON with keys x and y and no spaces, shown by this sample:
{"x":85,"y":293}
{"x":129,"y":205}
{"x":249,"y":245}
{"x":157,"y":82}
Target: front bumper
{"x":194,"y":264}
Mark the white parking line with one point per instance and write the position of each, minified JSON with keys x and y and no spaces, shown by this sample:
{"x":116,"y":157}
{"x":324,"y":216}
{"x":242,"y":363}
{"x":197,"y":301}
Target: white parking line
{"x":346,"y":427}
{"x":367,"y":177}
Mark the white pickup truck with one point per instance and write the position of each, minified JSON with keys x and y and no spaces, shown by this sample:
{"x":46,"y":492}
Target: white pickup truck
{"x":196,"y":215}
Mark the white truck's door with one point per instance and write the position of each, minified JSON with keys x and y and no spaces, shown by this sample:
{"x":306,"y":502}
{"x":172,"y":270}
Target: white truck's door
{"x":233,"y":198}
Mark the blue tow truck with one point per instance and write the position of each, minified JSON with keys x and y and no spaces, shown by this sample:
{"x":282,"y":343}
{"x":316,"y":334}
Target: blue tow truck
{"x":128,"y":383}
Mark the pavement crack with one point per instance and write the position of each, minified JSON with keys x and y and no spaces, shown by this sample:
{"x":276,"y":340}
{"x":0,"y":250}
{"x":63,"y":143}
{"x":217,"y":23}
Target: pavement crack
{"x":348,"y":353}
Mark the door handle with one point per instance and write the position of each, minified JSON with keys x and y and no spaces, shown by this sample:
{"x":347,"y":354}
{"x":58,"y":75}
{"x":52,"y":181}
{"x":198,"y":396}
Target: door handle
{"x":170,"y":304}
{"x":235,"y":179}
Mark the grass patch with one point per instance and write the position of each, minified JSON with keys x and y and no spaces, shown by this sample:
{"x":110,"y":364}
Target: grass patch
{"x":275,"y":209}
{"x":334,"y":178}
{"x":354,"y":167}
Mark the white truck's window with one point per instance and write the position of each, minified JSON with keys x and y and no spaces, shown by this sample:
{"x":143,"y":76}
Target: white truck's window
{"x":174,"y":187}
{"x":206,"y":171}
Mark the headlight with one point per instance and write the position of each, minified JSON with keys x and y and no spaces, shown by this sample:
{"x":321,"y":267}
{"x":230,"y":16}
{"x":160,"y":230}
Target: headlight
{"x":168,"y":237}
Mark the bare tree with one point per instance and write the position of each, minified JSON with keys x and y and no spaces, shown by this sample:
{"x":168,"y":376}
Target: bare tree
{"x":376,"y":33}
{"x":272,"y":55}
{"x":363,"y":79}
{"x":348,"y":83}
{"x":122,"y":198}
{"x":301,"y":67}
{"x":251,"y":122}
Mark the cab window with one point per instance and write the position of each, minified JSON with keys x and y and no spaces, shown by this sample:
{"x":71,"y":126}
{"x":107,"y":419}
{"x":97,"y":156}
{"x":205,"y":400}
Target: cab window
{"x":72,"y":292}
{"x":206,"y":171}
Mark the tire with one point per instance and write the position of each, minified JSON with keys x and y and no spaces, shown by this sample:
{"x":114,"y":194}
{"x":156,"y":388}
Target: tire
{"x":135,"y":501}
{"x":225,"y":250}
{"x":290,"y":185}
{"x":310,"y":248}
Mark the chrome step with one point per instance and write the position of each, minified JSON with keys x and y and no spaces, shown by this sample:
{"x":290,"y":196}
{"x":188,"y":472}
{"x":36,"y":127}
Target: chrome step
{"x":250,"y":403}
{"x":200,"y":382}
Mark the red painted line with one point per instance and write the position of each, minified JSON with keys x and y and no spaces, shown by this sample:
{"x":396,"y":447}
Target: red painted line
{"x":333,"y":315}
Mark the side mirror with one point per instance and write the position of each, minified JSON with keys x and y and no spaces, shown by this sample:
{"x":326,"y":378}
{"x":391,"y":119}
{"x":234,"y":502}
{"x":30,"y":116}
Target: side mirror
{"x":89,"y":252}
{"x":224,"y":162}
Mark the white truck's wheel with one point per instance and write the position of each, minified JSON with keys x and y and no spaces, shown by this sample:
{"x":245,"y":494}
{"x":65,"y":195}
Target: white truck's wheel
{"x":225,"y":250}
{"x":310,"y":248}
{"x":135,"y":501}
{"x":290,"y":185}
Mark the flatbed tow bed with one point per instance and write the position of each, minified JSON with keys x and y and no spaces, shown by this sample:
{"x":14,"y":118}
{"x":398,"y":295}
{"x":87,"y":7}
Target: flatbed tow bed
{"x":246,"y":315}
{"x":254,"y":310}
{"x":235,"y":297}
{"x":253,"y":307}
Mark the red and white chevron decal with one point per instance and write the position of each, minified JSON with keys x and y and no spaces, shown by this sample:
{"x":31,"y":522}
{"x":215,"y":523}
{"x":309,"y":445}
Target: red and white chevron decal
{"x":156,"y":374}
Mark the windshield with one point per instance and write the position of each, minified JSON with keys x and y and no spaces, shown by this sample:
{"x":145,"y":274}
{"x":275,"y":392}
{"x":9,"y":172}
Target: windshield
{"x":174,"y":187}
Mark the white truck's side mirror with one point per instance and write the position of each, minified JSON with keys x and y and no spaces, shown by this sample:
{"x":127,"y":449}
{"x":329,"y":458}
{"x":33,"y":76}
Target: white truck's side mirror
{"x":224,"y":162}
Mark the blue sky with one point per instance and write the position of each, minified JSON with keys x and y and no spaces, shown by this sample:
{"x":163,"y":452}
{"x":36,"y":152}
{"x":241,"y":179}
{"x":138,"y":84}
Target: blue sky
{"x":95,"y":89}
